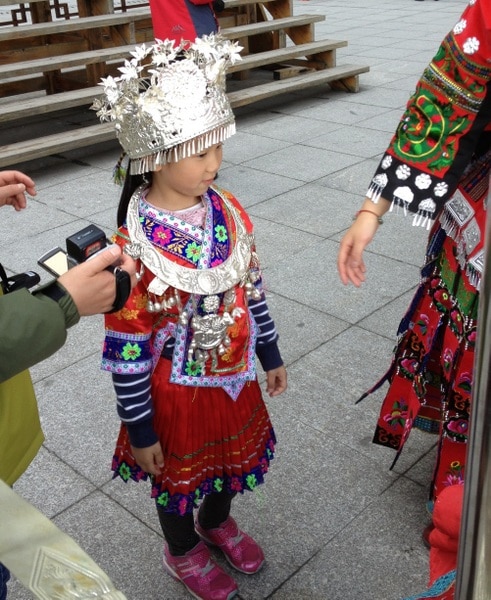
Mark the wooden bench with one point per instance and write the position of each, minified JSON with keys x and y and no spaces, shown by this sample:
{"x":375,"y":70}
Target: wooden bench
{"x":74,"y":25}
{"x":318,"y":55}
{"x":67,"y":58}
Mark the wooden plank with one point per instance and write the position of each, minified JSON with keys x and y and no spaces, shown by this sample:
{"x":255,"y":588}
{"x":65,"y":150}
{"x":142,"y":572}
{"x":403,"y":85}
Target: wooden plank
{"x":15,"y":4}
{"x":269,"y":57}
{"x":52,"y":144}
{"x":251,"y":29}
{"x":239,"y":3}
{"x":79,"y":24}
{"x":54,"y":63}
{"x":300,"y":82}
{"x":21,"y":109}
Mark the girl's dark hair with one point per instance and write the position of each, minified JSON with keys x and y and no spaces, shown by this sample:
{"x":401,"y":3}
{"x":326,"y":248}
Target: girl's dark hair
{"x":131,"y":182}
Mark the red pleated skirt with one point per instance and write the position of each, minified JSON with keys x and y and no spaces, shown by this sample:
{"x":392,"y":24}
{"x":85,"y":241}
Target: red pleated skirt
{"x":210,"y":442}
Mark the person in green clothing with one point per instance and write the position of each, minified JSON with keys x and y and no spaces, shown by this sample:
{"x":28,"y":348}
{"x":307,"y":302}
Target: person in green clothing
{"x":33,"y":326}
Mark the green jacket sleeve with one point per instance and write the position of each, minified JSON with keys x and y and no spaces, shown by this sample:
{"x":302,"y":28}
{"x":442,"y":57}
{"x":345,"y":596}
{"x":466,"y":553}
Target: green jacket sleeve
{"x":32,"y":327}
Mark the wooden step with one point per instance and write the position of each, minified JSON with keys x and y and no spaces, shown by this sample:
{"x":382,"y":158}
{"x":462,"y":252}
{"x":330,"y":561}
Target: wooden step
{"x":43,"y":105}
{"x":53,"y":144}
{"x":341,"y":77}
{"x":55,"y":63}
{"x":115,"y":19}
{"x":270,"y":57}
{"x":73,"y":25}
{"x":19,"y":108}
{"x":251,"y":29}
{"x":238,"y":3}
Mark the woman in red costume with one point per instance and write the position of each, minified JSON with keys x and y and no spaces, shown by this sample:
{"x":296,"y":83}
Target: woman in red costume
{"x":183,"y":19}
{"x":436,"y":169}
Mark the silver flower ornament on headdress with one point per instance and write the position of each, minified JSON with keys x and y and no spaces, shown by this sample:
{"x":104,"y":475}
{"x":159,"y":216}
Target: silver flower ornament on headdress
{"x":169,"y":101}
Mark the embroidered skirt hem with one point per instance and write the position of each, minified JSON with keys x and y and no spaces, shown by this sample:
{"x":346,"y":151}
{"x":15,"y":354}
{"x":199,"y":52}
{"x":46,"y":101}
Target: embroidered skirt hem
{"x":210,"y":442}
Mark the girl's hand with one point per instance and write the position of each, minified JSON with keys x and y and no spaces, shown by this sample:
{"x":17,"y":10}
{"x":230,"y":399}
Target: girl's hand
{"x":276,"y":381}
{"x":150,"y":459}
{"x":13,"y":185}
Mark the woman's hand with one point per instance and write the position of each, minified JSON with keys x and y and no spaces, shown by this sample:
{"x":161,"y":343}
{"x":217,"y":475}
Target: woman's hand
{"x":351,"y":266}
{"x":150,"y":459}
{"x":13,"y":185}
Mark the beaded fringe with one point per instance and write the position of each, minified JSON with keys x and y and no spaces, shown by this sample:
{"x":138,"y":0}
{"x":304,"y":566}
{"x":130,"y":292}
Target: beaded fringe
{"x":146,"y":164}
{"x":422,"y":218}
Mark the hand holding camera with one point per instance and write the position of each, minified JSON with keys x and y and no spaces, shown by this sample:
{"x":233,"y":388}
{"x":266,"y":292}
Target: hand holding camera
{"x":88,"y":270}
{"x":92,"y":284}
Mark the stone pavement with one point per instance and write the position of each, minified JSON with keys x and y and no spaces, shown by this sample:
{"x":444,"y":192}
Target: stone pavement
{"x":335,"y":523}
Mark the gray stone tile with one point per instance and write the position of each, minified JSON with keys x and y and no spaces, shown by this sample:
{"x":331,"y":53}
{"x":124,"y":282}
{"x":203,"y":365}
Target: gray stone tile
{"x":78,"y":404}
{"x":128,"y":551}
{"x":311,"y":208}
{"x":354,"y":179}
{"x":342,"y":112}
{"x":302,"y":278}
{"x":361,"y":560}
{"x":301,"y":328}
{"x":386,"y":122}
{"x":352,"y":141}
{"x":52,"y":486}
{"x":83,"y":340}
{"x":276,"y":242}
{"x":385,"y":319}
{"x":244,"y":146}
{"x":302,"y":162}
{"x":81,"y":197}
{"x":325,"y":385}
{"x":37,"y":218}
{"x":252,"y":186}
{"x":291,"y":128}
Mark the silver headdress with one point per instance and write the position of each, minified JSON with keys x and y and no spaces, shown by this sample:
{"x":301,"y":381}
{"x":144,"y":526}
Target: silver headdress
{"x":169,"y":101}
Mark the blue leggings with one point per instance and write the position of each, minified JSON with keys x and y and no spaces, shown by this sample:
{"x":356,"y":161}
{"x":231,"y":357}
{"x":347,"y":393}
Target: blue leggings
{"x":4,"y":577}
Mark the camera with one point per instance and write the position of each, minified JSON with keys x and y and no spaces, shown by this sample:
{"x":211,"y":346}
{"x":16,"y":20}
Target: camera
{"x":82,"y":246}
{"x":79,"y":247}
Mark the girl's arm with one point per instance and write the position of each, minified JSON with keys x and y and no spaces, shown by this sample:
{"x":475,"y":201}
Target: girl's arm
{"x":267,"y":349}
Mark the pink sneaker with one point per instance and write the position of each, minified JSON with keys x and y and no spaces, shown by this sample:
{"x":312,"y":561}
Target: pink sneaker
{"x":241,"y":551}
{"x":203,"y":578}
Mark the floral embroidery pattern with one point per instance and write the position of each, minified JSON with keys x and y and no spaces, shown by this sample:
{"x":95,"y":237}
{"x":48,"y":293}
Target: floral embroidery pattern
{"x":398,"y":415}
{"x":182,"y":503}
{"x":455,"y":475}
{"x":131,"y":351}
{"x":193,"y":368}
{"x":221,"y":233}
{"x":161,"y":235}
{"x":193,"y":252}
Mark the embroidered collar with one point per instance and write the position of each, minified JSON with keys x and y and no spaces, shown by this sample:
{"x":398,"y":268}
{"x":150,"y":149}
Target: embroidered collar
{"x":202,"y":281}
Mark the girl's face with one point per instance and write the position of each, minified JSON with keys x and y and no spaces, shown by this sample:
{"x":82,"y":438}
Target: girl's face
{"x":191,"y":177}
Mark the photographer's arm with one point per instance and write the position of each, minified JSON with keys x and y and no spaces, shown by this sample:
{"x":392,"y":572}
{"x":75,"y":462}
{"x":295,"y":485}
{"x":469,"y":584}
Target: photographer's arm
{"x":33,"y":326}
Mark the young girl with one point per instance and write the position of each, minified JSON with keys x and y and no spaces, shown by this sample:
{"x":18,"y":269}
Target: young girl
{"x":182,"y":350}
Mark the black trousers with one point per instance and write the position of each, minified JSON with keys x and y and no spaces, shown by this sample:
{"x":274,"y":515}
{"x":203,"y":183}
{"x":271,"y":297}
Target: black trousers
{"x":179,"y":532}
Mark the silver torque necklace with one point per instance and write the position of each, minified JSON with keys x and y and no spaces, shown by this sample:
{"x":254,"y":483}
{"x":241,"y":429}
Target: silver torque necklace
{"x":195,"y":281}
